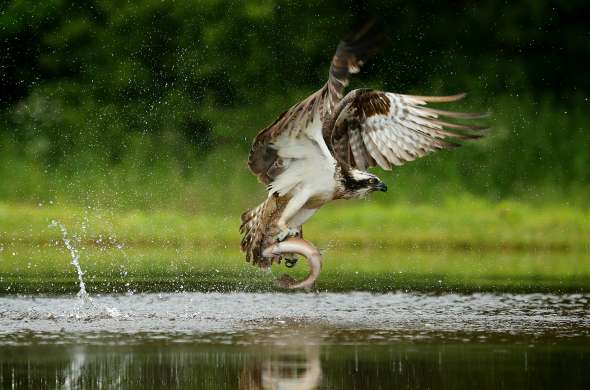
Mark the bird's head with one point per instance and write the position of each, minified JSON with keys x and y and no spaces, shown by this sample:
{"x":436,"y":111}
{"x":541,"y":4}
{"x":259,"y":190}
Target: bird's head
{"x":358,"y":184}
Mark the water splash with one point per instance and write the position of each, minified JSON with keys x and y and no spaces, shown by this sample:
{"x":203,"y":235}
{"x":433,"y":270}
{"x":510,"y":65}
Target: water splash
{"x":82,"y":294}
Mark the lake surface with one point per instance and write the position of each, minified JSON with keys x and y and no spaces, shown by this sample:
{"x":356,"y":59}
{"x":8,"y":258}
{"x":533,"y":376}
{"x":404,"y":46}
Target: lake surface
{"x":296,"y":341}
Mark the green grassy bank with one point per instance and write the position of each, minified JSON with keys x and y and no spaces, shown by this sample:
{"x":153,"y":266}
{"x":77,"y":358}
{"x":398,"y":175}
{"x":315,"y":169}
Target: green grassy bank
{"x":460,"y":245}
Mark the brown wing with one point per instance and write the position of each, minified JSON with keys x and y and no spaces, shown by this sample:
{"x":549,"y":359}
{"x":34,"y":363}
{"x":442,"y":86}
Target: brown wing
{"x":350,"y":55}
{"x":263,"y":160}
{"x":375,"y":128}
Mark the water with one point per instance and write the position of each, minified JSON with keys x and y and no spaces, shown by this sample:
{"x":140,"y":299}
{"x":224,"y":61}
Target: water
{"x":274,"y":340}
{"x":75,"y":255}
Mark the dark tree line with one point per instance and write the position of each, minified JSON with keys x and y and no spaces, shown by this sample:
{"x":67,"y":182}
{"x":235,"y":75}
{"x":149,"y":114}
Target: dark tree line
{"x":88,"y":75}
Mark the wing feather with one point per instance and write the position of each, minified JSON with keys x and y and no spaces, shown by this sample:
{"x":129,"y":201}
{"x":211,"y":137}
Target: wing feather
{"x":357,"y":146}
{"x":373,"y":148}
{"x":264,"y":160}
{"x":396,"y":128}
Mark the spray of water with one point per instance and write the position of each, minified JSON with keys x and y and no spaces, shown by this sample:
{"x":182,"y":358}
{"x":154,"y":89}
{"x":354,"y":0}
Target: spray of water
{"x":75,"y":255}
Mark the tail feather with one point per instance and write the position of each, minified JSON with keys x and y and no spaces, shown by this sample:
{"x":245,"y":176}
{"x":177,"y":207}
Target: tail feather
{"x":258,"y":227}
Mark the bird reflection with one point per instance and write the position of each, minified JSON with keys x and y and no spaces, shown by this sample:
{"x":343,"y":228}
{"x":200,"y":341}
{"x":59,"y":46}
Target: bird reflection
{"x":295,"y":369}
{"x":291,"y":361}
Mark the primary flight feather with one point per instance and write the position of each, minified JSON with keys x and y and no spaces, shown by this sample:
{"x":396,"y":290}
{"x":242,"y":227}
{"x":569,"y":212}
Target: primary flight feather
{"x":319,"y":149}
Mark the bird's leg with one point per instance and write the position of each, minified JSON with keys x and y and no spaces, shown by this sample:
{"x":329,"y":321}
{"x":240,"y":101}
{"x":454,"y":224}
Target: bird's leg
{"x":292,"y":207}
{"x":291,"y":258}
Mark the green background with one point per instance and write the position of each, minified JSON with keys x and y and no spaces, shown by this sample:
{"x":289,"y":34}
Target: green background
{"x":115,"y":112}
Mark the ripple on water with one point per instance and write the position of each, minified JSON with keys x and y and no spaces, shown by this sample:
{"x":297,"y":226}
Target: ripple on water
{"x":220,"y":317}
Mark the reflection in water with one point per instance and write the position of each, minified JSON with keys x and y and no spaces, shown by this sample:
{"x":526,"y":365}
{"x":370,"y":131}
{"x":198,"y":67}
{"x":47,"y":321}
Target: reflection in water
{"x":293,"y":367}
{"x":73,"y":373}
{"x":294,"y":358}
{"x":300,"y":341}
{"x":280,"y":361}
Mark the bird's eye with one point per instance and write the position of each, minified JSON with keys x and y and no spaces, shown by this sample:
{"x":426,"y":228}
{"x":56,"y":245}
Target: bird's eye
{"x":372,"y":181}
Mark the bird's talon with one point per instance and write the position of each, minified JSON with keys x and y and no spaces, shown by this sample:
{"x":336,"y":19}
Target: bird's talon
{"x":291,"y":261}
{"x":286,"y":233}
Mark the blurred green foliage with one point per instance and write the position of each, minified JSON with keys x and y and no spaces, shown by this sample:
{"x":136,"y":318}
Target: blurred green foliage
{"x":155,"y":103}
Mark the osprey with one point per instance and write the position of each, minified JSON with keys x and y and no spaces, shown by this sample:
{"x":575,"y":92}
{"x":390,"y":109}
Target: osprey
{"x":319,"y":150}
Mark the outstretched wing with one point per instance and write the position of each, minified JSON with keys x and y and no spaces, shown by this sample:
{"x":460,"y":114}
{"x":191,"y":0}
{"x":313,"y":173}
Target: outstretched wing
{"x":374,"y":128}
{"x":307,"y":116}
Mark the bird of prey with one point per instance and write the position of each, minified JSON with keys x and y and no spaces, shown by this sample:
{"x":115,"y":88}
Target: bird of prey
{"x":320,"y":149}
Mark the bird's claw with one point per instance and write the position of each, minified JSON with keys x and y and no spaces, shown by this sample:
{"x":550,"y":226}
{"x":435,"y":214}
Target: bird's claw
{"x":286,"y":233}
{"x":290,"y":261}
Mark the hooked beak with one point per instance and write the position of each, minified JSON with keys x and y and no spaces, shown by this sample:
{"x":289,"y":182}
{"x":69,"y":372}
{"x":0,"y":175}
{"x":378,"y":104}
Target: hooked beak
{"x":381,"y":187}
